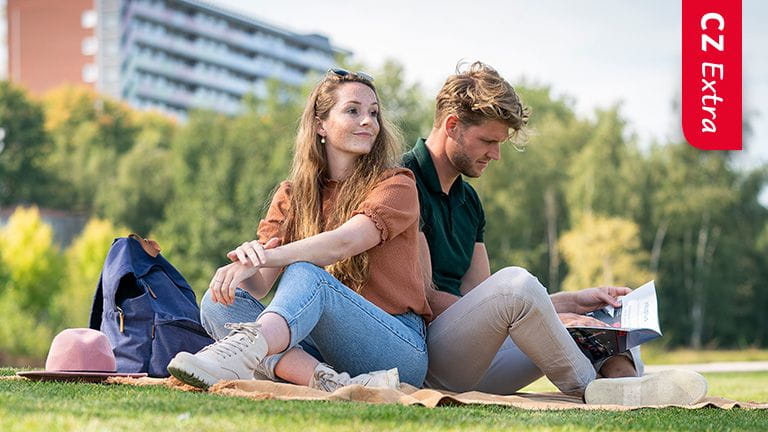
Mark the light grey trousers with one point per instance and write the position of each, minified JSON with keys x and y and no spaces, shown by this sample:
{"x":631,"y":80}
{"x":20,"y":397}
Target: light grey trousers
{"x":503,"y":335}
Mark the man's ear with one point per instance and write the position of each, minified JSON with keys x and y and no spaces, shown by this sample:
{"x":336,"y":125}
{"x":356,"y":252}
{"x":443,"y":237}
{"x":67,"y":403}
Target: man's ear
{"x":451,"y":125}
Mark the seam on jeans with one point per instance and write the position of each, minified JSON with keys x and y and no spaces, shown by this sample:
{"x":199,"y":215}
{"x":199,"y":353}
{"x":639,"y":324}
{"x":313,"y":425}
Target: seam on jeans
{"x":392,"y":330}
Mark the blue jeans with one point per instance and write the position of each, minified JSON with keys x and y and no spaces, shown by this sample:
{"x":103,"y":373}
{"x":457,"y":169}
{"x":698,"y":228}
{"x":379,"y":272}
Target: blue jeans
{"x":331,"y":322}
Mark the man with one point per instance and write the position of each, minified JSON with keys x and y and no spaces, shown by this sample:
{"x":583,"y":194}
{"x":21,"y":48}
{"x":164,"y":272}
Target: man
{"x":497,"y":333}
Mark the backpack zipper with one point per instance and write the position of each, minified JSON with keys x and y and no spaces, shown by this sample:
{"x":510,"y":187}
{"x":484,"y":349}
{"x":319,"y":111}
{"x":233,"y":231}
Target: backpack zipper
{"x":193,"y":330}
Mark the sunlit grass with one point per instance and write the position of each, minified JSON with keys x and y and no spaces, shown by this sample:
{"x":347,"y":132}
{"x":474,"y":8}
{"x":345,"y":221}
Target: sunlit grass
{"x":30,"y":406}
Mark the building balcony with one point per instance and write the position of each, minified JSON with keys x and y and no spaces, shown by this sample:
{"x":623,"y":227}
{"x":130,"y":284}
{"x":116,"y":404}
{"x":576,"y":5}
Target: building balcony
{"x":201,"y":52}
{"x":190,"y":75}
{"x":183,"y":99}
{"x":227,"y":35}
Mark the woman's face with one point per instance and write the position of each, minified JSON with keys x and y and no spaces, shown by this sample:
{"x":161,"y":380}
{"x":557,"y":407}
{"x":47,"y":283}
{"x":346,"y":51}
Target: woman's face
{"x":352,"y":124}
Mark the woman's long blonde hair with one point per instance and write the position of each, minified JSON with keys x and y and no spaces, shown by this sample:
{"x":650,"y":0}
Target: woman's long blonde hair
{"x":309,"y":173}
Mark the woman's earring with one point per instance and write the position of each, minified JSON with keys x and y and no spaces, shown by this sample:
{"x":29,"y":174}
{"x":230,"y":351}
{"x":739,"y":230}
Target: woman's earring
{"x":322,"y":140}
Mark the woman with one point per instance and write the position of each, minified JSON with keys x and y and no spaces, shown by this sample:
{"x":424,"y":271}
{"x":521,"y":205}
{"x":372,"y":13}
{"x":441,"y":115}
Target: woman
{"x":343,"y":229}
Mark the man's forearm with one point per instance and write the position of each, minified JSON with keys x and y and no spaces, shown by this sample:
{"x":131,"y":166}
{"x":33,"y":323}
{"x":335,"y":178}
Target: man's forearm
{"x":439,"y":301}
{"x":564,"y":302}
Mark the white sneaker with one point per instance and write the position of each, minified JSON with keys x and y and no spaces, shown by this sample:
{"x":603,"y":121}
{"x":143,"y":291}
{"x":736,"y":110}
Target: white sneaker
{"x":669,"y":387}
{"x":233,"y":357}
{"x":325,"y":378}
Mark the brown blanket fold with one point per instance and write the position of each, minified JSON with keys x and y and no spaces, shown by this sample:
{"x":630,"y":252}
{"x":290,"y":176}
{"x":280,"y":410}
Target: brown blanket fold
{"x":409,"y":395}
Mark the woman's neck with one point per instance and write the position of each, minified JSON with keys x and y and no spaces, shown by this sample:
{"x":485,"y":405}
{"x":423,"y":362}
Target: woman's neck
{"x":340,"y":165}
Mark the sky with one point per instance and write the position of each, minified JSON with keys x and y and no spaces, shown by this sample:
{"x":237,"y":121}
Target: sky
{"x":597,"y":52}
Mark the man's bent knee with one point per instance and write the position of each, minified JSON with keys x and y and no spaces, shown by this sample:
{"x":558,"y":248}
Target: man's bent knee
{"x":518,"y":282}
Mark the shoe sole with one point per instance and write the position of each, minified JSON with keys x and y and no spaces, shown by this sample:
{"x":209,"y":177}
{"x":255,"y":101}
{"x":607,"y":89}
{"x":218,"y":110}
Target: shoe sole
{"x":182,"y":370}
{"x":670,"y":387}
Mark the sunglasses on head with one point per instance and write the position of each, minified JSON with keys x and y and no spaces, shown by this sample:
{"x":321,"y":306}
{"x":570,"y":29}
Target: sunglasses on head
{"x":344,"y":73}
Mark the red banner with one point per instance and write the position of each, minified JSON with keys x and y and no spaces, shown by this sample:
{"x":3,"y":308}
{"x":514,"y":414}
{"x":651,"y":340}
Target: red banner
{"x":711,"y":86}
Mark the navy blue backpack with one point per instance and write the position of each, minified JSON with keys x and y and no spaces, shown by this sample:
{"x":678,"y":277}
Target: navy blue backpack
{"x":146,"y":308}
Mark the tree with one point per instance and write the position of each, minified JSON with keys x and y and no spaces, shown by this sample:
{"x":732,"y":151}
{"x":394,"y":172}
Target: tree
{"x":142,"y":183}
{"x":600,"y":175}
{"x":34,"y":270}
{"x":89,"y":133}
{"x":404,"y":103}
{"x":693,"y":194}
{"x":84,"y":262}
{"x":604,"y":251}
{"x":23,"y":146}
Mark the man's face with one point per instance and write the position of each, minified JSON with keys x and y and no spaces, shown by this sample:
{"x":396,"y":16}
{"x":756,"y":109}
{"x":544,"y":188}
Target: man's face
{"x":473,"y":147}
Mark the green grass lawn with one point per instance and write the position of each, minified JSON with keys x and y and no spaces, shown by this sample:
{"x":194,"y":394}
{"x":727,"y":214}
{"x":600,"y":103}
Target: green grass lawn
{"x":32,"y":406}
{"x":741,"y":386}
{"x":657,"y":353}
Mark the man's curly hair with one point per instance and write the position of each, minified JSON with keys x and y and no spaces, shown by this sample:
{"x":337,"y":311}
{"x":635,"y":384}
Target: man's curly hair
{"x":478,"y":93}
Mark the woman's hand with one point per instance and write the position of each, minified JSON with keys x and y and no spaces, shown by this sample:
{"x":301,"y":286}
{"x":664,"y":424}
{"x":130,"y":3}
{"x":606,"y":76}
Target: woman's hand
{"x":227,"y":278}
{"x":252,"y":252}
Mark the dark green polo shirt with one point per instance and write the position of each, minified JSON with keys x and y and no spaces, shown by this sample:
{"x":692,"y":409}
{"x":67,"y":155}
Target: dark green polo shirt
{"x":452,"y":223}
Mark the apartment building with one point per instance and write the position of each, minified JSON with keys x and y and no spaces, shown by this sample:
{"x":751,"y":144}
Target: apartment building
{"x":169,"y":55}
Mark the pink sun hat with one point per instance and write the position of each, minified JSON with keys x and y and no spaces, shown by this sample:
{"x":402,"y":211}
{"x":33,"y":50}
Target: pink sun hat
{"x":79,"y":354}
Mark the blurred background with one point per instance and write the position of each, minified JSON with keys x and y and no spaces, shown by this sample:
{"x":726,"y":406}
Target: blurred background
{"x":175,"y":119}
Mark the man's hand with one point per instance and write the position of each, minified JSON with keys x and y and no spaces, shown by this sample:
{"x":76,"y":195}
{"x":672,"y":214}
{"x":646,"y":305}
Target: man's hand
{"x":572,"y":320}
{"x":590,"y":299}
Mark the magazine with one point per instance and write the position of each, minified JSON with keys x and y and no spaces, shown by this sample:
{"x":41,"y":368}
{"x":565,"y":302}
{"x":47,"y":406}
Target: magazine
{"x":634,"y":323}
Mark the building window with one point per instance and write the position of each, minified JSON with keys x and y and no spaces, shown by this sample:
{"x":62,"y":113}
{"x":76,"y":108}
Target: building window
{"x":89,"y":19}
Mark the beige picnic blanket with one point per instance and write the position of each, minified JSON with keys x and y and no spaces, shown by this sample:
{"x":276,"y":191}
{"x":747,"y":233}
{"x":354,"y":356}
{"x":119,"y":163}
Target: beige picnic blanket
{"x":409,"y":395}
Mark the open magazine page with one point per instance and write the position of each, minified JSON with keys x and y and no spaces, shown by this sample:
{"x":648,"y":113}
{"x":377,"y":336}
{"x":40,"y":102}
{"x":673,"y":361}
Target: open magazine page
{"x":632,"y":324}
{"x":639,"y":309}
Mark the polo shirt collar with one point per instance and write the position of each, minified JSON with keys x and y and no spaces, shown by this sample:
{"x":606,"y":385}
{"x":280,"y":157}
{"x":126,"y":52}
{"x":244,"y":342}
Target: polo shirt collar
{"x":427,"y":167}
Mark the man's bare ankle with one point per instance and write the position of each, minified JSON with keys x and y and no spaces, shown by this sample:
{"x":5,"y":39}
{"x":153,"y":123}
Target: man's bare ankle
{"x":618,"y":367}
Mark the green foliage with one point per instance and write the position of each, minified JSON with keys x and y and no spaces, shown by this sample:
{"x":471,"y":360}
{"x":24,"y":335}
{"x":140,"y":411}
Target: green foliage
{"x":84,"y":261}
{"x":21,"y":333}
{"x":33,"y":263}
{"x":35,"y":271}
{"x":22,"y":175}
{"x":142,"y":183}
{"x":599,"y":176}
{"x":89,"y":133}
{"x":404,"y":103}
{"x":604,"y":251}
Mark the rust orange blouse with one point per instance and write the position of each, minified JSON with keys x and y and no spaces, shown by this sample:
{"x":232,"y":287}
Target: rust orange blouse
{"x":395,"y":281}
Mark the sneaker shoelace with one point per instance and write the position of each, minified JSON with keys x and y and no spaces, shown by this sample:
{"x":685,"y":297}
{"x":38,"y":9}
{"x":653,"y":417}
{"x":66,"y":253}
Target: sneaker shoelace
{"x":242,"y":336}
{"x":330,"y":380}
